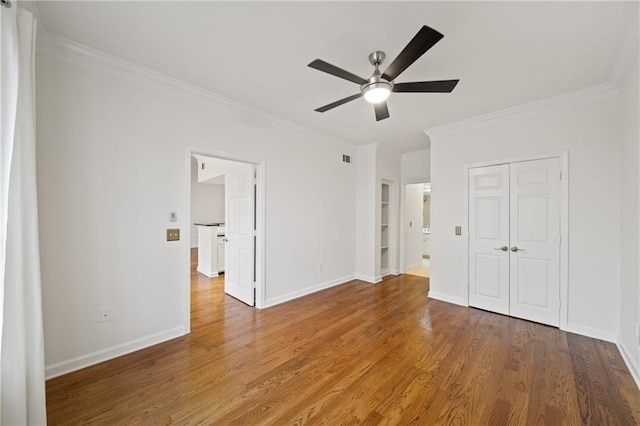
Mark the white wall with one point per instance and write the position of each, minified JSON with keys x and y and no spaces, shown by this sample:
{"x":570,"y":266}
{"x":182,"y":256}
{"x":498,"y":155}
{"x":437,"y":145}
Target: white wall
{"x":416,"y":166}
{"x":630,"y":219}
{"x":111,"y":166}
{"x":413,"y":218}
{"x":375,"y":164}
{"x":207,"y":203}
{"x":388,"y":165}
{"x":365,"y":225}
{"x":586,"y":124}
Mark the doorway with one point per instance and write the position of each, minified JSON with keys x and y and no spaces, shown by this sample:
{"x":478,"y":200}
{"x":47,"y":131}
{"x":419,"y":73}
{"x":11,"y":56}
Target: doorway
{"x":233,"y":230}
{"x":515,"y":223}
{"x":417,"y":228}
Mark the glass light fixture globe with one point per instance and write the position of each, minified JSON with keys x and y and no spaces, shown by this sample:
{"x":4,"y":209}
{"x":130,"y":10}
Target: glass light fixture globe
{"x":377,"y":92}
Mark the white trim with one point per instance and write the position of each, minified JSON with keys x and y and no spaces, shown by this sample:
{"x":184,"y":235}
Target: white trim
{"x":563,"y":156}
{"x":75,"y":53}
{"x":571,"y":98}
{"x":368,"y":279}
{"x":96,"y":357}
{"x":446,"y":298}
{"x":627,"y":53}
{"x":591,"y":332}
{"x":627,"y":360}
{"x":207,"y":274}
{"x":306,"y":291}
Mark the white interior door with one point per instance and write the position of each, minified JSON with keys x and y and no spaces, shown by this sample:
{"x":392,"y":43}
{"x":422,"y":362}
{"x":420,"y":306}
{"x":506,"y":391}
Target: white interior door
{"x":514,"y":239}
{"x":240,"y":234}
{"x":535,"y":241}
{"x":489,"y":238}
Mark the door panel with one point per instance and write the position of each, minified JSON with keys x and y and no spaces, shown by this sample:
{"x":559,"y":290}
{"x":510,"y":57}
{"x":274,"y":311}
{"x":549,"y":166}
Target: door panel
{"x":240,"y":211}
{"x":535,"y":231}
{"x":488,"y":233}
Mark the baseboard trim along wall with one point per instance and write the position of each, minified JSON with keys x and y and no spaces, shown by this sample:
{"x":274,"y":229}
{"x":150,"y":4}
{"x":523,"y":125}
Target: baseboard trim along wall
{"x":446,"y":298}
{"x":627,"y":360}
{"x":366,"y":278}
{"x":413,"y":265}
{"x":97,"y":357}
{"x":592,"y":332}
{"x":306,"y":291}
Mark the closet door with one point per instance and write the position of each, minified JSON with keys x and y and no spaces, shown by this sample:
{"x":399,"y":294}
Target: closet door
{"x":489,"y":238}
{"x":535,"y":241}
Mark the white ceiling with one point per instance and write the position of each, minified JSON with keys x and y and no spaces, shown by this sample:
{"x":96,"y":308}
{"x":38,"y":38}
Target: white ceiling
{"x":504,"y":53}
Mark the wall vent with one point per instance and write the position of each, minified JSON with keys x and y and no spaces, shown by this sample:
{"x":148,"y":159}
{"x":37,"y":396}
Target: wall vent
{"x":346,"y":158}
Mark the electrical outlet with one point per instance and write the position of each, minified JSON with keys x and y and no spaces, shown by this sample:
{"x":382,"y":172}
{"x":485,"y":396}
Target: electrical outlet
{"x":173,"y":234}
{"x":458,"y":230}
{"x":105,"y":314}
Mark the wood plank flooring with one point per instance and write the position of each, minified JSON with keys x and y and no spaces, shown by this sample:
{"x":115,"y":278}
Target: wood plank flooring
{"x":354,"y":354}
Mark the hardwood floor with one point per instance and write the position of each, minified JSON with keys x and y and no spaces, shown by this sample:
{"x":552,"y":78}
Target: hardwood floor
{"x":354,"y":354}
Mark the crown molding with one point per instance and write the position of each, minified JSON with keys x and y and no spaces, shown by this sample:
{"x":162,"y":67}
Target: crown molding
{"x":628,"y":52}
{"x":416,"y":154}
{"x":69,"y":51}
{"x":576,"y":97}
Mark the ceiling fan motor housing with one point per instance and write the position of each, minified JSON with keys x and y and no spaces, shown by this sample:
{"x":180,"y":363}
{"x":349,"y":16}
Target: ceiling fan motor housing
{"x":377,"y":88}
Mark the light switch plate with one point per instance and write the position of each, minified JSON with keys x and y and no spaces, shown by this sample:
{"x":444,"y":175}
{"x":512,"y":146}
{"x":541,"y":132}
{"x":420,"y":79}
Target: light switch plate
{"x":173,"y":234}
{"x":173,"y":217}
{"x":458,"y":230}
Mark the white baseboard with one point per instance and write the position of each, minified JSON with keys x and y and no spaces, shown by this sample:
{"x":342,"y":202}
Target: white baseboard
{"x":207,"y":273}
{"x":413,"y":265}
{"x":93,"y":358}
{"x":446,"y":298}
{"x":630,"y":365}
{"x":306,"y":291}
{"x":591,"y":332}
{"x":368,"y":279}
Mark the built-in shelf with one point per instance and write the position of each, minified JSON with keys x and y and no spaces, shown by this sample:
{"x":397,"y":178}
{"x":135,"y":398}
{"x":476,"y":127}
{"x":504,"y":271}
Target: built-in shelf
{"x":384,"y":230}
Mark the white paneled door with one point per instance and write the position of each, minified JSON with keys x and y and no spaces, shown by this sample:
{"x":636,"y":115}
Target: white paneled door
{"x":489,"y":238}
{"x":240,"y":234}
{"x":514,"y":241}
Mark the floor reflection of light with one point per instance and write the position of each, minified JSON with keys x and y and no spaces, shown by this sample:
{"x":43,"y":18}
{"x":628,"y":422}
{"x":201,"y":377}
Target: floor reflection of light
{"x":425,"y":321}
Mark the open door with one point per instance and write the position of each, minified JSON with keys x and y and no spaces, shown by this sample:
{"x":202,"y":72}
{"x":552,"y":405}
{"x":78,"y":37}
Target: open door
{"x":240,"y":233}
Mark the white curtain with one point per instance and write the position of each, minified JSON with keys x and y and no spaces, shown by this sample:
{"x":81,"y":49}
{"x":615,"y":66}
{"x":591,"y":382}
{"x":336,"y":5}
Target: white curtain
{"x":22,"y":392}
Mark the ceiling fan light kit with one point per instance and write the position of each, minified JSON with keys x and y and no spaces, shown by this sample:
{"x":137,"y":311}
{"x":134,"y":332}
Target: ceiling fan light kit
{"x":379,"y":86}
{"x":377,"y":89}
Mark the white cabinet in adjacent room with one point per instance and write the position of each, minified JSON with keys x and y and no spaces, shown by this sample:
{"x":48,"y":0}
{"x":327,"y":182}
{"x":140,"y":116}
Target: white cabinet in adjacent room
{"x":211,"y":246}
{"x":220,"y":253}
{"x":426,"y":241}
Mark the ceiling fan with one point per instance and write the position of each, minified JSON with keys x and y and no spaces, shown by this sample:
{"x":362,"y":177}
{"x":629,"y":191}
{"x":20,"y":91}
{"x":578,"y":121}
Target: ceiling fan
{"x":377,"y":88}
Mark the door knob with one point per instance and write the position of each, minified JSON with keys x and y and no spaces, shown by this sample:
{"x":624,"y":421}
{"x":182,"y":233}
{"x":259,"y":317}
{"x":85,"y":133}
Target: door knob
{"x":503,"y":248}
{"x":515,"y":249}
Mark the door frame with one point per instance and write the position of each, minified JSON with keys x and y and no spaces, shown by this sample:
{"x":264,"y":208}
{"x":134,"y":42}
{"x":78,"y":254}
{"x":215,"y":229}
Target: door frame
{"x":259,"y":218}
{"x":563,"y":156}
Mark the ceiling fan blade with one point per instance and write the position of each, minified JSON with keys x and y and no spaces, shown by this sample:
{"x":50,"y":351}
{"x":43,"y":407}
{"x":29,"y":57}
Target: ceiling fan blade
{"x":338,"y":103}
{"x":423,"y":41}
{"x":382,"y":111}
{"x":442,"y":86}
{"x":323,"y":66}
